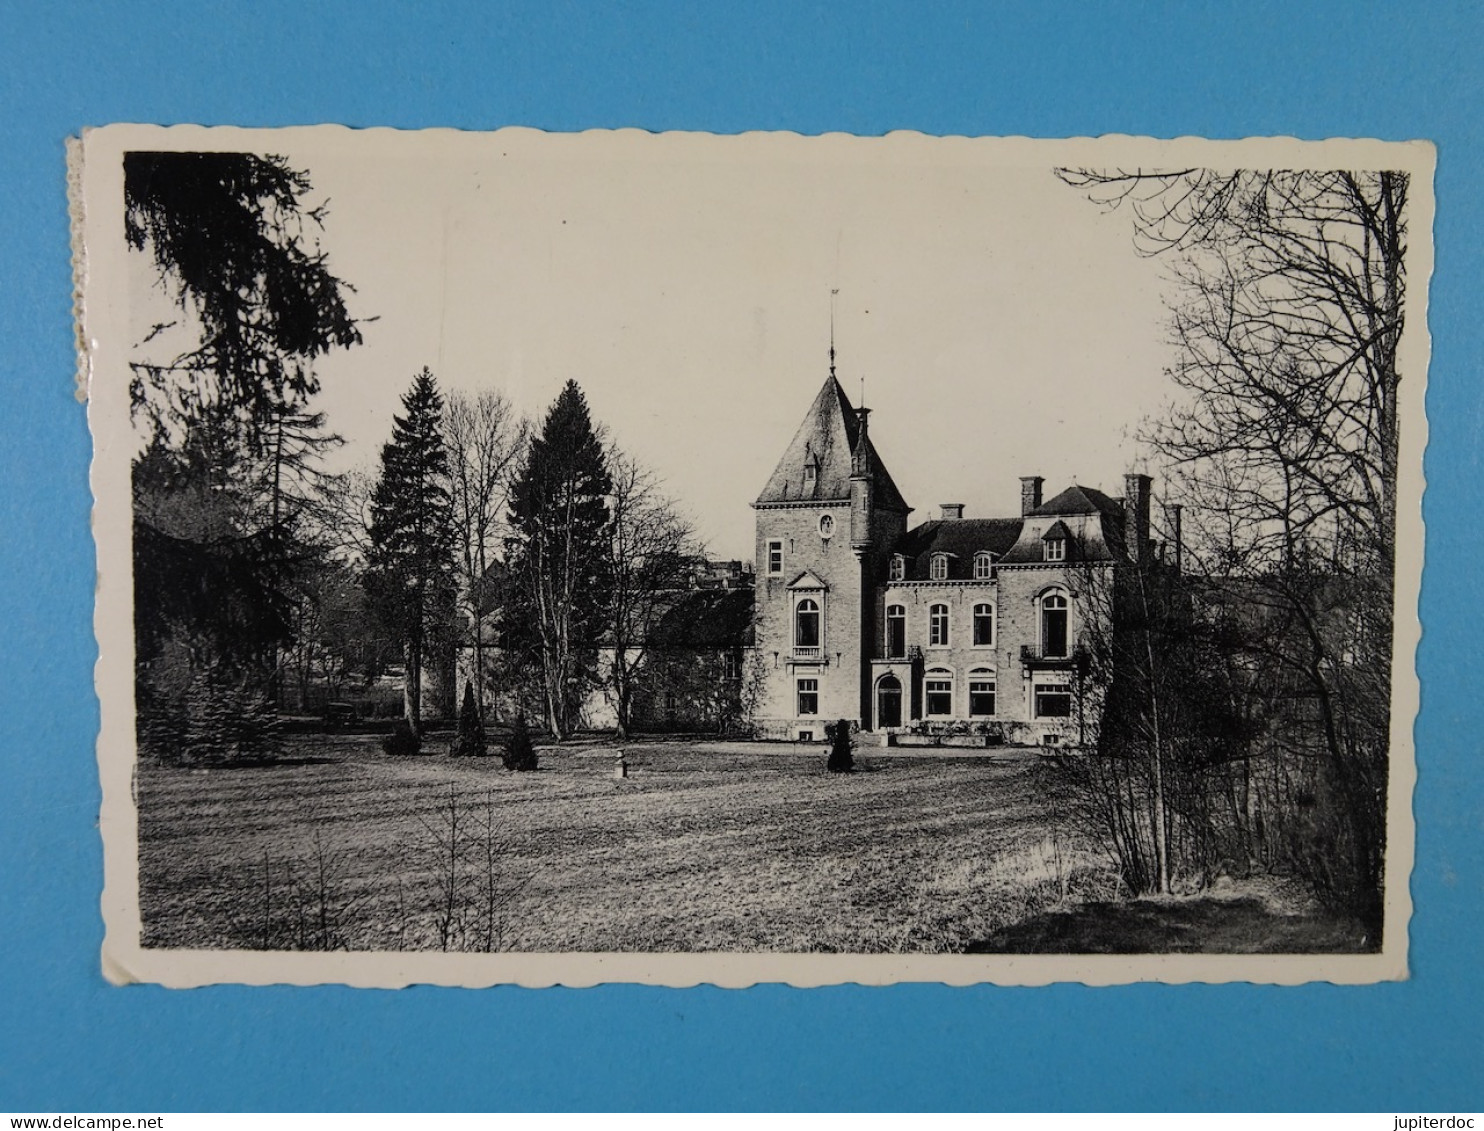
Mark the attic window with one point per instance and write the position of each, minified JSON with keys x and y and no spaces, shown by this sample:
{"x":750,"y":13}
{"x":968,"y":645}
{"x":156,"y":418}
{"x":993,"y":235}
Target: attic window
{"x":938,"y":570}
{"x":898,"y":569}
{"x":983,"y":566}
{"x":1056,"y":549}
{"x":811,"y":474}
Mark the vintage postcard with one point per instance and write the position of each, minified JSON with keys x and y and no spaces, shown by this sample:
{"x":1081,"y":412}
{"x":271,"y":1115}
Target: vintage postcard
{"x":561,"y":559}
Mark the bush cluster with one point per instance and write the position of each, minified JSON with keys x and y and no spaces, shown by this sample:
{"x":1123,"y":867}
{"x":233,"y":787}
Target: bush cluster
{"x":403,"y":742}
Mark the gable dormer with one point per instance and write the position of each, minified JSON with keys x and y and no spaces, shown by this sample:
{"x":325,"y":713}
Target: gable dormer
{"x":1054,"y":542}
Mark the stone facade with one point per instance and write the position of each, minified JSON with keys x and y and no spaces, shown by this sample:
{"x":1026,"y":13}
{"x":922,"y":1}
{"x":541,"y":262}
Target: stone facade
{"x":957,"y":630}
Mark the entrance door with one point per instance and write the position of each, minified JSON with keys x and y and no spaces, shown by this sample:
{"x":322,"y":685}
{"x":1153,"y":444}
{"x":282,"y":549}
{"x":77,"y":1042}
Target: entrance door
{"x":888,"y":702}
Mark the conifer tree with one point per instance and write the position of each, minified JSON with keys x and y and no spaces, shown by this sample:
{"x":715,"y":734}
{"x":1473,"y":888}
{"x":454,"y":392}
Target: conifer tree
{"x":409,"y":575}
{"x":560,"y":520}
{"x":221,"y":395}
{"x":520,"y":750}
{"x":469,"y":741}
{"x":840,"y":761}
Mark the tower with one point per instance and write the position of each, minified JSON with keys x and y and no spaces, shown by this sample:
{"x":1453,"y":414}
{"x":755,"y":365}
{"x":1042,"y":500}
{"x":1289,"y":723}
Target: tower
{"x":828,"y":510}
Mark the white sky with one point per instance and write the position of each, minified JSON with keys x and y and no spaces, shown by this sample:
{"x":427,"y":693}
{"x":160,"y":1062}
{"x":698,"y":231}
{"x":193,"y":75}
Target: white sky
{"x":1002,"y":322}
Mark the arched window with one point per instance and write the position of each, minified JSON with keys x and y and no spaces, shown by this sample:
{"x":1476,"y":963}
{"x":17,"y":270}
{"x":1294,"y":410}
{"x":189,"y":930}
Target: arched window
{"x":806,"y":623}
{"x":1054,"y":626}
{"x":983,"y":565}
{"x":898,"y":568}
{"x":937,"y":692}
{"x":981,"y":693}
{"x":984,"y":625}
{"x":896,"y":632}
{"x":889,"y":701}
{"x":938,"y":626}
{"x":938,"y":570}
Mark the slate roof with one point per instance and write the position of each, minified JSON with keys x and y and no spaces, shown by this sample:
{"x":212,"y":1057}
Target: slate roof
{"x":1081,"y":500}
{"x":829,"y":434}
{"x":960,"y":539}
{"x":1058,"y":529}
{"x":1105,"y":544}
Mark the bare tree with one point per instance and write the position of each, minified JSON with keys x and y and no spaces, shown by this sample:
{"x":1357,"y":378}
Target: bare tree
{"x":345,"y":507}
{"x":485,"y":439}
{"x":1283,"y":442}
{"x":651,"y":552}
{"x":1291,"y":309}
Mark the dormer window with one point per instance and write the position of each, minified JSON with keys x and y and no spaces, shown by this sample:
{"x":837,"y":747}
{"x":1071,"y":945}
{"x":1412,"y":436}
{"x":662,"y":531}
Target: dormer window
{"x":898,"y":568}
{"x":983,"y":565}
{"x":1056,"y":549}
{"x":938,"y":568}
{"x":811,"y":475}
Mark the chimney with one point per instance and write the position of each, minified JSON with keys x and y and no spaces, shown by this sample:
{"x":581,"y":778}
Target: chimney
{"x":1176,"y":512}
{"x":952,"y":512}
{"x":1030,"y":493}
{"x":1136,"y":516}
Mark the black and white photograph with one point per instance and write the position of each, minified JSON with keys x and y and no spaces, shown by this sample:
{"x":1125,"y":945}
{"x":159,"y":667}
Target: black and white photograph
{"x":686,"y":558}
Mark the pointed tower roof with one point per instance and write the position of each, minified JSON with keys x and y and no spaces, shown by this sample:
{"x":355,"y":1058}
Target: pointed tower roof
{"x":830,"y":441}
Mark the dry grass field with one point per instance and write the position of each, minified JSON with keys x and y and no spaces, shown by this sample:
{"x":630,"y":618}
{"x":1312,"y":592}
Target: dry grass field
{"x":704,"y":847}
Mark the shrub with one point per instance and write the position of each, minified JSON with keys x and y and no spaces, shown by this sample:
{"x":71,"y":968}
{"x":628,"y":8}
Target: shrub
{"x":520,"y":751}
{"x":469,"y":741}
{"x":840,"y":761}
{"x":403,"y":741}
{"x":193,"y":714}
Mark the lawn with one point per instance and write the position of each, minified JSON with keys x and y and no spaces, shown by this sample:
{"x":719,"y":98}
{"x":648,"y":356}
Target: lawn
{"x":703,"y":847}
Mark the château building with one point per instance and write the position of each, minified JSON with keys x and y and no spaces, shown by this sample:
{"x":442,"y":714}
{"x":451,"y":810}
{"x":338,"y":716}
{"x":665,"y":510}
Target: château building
{"x":954,"y":626}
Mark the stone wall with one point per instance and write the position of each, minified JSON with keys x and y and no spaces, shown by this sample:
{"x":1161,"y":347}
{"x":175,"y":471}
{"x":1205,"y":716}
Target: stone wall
{"x":832,"y":561}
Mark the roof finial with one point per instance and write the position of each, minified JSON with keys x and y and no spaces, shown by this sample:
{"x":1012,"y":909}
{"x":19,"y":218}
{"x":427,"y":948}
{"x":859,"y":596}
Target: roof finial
{"x":863,"y":390}
{"x":833,"y":293}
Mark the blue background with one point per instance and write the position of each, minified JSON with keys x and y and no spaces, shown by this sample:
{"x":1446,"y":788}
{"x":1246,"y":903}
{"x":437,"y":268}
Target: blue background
{"x":68,"y":1040}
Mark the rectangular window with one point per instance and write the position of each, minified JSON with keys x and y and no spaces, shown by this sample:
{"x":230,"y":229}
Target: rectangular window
{"x":939,"y":696}
{"x":1054,"y":633}
{"x":1056,"y":550}
{"x":896,"y":632}
{"x":775,"y":557}
{"x":808,"y":697}
{"x":731,"y":665}
{"x":981,"y":697}
{"x":1053,"y":701}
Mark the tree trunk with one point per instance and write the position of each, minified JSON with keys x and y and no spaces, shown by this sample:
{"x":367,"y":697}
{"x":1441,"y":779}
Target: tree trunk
{"x":412,"y":691}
